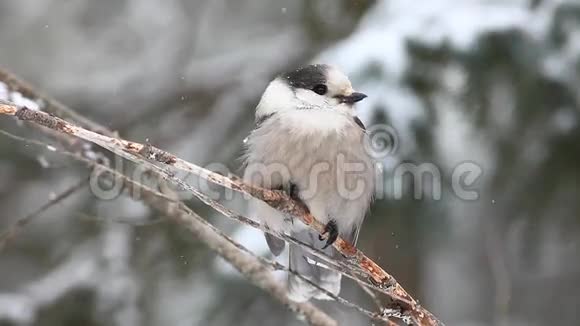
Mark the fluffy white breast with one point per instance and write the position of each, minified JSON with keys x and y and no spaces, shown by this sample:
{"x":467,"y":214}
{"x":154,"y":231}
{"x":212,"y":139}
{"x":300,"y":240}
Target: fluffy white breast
{"x":295,"y":146}
{"x":315,"y":122}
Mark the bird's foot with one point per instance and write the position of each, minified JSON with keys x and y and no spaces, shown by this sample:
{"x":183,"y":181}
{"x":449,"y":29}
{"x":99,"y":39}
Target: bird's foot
{"x":330,"y":233}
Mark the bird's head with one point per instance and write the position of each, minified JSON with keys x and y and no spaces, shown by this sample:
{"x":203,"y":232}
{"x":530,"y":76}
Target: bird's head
{"x":316,"y":87}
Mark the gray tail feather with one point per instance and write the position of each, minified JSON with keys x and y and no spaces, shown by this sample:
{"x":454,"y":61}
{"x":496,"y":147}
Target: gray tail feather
{"x":311,"y":268}
{"x":275,"y":244}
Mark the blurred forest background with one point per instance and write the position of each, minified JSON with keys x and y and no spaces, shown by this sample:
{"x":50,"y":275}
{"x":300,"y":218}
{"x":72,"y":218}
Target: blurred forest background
{"x":494,"y":82}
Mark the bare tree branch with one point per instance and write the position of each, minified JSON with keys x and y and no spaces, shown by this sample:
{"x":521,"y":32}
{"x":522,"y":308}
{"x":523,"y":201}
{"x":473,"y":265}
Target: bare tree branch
{"x":250,"y":266}
{"x":277,"y":199}
{"x":148,"y":193}
{"x":16,"y":228}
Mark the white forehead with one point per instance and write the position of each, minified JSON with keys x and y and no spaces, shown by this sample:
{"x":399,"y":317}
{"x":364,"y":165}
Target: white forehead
{"x":337,"y":82}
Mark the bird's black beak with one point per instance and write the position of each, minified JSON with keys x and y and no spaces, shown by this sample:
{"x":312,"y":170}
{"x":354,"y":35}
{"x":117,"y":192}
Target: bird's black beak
{"x":353,"y":98}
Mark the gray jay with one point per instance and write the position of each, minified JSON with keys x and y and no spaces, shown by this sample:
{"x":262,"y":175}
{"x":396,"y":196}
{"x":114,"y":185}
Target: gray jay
{"x":308,"y":141}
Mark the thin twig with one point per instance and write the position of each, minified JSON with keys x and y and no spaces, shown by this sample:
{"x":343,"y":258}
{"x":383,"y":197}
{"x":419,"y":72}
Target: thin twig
{"x":18,"y":226}
{"x":120,"y":220}
{"x":371,"y":294}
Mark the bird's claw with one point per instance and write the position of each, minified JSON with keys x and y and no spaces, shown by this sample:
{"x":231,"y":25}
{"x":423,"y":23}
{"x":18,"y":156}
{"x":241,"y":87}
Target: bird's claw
{"x":330,"y":234}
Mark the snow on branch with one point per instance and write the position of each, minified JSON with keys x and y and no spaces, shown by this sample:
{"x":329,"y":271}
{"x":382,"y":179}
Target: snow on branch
{"x":146,"y":154}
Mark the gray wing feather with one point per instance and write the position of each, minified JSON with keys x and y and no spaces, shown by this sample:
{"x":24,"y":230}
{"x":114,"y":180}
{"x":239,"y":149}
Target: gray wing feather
{"x":311,"y":268}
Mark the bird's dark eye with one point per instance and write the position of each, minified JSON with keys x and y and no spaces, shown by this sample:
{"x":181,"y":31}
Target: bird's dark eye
{"x":320,"y":89}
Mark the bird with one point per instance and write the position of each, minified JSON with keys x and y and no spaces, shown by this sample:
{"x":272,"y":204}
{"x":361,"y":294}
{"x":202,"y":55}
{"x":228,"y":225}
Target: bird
{"x":308,"y":142}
